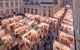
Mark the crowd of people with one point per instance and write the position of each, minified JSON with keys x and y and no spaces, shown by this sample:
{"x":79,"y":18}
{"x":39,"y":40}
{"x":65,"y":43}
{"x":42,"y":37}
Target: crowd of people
{"x":66,"y":33}
{"x":32,"y":32}
{"x":29,"y":32}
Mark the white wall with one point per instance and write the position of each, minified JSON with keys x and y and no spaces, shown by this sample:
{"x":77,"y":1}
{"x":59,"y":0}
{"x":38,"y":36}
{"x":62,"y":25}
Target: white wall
{"x":40,"y":9}
{"x":76,"y":14}
{"x":14,"y":7}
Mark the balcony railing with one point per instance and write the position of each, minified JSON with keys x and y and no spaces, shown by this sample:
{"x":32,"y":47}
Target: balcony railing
{"x":47,"y":2}
{"x":32,"y":3}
